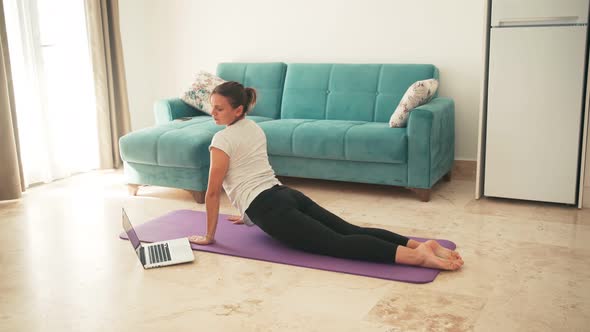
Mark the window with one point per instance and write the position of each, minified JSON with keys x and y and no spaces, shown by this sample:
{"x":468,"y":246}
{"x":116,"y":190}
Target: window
{"x":54,"y":87}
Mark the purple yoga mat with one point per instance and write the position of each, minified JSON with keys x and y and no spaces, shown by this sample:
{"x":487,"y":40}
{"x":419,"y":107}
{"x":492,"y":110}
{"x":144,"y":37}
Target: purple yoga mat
{"x":252,"y":242}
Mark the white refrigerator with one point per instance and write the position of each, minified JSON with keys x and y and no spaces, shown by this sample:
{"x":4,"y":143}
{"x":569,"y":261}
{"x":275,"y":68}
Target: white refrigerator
{"x":536,"y":72}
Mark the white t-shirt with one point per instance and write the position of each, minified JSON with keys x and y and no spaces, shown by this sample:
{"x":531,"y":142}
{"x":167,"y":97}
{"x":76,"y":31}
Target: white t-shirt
{"x":249,"y":171}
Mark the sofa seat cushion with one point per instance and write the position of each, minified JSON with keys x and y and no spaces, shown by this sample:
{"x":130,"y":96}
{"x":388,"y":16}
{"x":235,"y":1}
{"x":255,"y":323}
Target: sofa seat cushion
{"x":174,"y":144}
{"x":337,"y":140}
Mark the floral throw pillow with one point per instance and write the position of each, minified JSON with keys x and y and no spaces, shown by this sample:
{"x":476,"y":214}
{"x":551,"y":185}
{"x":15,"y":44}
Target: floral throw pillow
{"x":417,"y":94}
{"x":198,"y":94}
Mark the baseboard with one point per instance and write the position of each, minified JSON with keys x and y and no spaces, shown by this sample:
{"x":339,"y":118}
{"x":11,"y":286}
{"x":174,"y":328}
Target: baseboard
{"x":464,"y":170}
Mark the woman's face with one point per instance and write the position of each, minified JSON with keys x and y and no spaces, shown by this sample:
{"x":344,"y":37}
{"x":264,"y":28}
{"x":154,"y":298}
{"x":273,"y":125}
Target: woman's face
{"x":223,"y":113}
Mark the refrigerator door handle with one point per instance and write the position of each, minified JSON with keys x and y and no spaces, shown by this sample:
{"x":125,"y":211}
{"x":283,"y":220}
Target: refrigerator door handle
{"x":507,"y":22}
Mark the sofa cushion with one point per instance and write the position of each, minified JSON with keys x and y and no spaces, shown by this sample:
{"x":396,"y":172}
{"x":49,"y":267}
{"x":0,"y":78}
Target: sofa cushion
{"x":361,"y":92}
{"x":266,"y":78}
{"x":336,"y":139}
{"x":198,"y":94}
{"x":175,"y":144}
{"x":417,"y":94}
{"x":279,"y":135}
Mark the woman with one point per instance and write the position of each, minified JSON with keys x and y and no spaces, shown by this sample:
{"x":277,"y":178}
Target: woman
{"x":239,"y":164}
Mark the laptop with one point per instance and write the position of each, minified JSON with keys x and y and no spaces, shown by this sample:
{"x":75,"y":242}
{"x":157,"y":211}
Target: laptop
{"x":158,"y":254}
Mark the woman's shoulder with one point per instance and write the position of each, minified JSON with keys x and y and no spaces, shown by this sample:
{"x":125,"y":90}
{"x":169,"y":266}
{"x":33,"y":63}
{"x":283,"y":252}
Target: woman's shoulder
{"x":222,"y":134}
{"x":249,"y":125}
{"x":252,"y":123}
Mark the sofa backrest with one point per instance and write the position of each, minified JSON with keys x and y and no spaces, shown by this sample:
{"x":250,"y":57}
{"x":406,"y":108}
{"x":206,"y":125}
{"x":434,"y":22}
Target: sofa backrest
{"x":267,"y":78}
{"x":363,"y":92}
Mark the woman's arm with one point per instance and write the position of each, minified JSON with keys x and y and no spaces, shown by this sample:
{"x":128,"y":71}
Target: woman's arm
{"x":217,"y":171}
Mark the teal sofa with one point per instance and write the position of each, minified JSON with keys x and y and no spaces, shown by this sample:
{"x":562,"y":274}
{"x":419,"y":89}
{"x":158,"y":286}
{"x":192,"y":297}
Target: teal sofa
{"x":322,"y":121}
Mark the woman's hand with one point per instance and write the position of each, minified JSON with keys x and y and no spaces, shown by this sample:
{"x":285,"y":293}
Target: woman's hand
{"x":236,"y":220}
{"x":199,"y":239}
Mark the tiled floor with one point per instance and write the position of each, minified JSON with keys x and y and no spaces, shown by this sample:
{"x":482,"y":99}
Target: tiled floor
{"x":62,"y":267}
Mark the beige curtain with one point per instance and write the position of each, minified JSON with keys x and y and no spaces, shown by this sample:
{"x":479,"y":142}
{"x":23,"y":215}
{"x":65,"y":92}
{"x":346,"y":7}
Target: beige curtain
{"x":11,"y":173}
{"x":102,"y":17}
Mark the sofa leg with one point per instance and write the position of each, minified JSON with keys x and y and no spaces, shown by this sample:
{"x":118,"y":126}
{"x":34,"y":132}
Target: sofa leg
{"x":133,"y":188}
{"x":199,"y":196}
{"x":447,"y":177}
{"x":423,"y":194}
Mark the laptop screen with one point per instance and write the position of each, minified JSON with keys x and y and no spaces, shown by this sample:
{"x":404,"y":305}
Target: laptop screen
{"x":130,"y":231}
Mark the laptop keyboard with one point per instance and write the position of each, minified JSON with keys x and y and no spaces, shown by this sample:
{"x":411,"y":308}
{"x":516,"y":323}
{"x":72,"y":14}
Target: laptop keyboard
{"x":159,"y":253}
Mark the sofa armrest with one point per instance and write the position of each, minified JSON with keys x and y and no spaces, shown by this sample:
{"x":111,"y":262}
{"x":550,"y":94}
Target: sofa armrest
{"x":431,"y":142}
{"x":166,"y":110}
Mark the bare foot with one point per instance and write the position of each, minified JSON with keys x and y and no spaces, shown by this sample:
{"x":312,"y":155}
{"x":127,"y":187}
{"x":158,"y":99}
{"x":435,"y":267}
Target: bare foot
{"x":430,"y":259}
{"x":443,"y":252}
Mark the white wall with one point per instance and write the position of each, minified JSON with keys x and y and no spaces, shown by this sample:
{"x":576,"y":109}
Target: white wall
{"x":137,"y":42}
{"x":166,"y":42}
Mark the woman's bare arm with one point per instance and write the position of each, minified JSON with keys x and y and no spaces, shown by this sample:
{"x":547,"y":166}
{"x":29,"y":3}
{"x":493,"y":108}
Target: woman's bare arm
{"x":217,"y":170}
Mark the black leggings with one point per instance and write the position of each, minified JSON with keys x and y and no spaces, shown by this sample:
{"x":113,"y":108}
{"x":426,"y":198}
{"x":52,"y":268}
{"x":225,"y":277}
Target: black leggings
{"x":292,"y":218}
